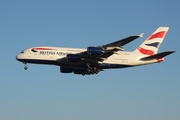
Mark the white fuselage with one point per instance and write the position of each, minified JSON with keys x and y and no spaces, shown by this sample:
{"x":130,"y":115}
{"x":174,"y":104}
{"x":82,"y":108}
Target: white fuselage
{"x":57,"y":56}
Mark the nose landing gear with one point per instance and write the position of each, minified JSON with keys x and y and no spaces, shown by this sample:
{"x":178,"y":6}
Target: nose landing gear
{"x":25,"y":66}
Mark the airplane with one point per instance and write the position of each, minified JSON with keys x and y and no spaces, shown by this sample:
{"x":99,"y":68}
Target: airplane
{"x":98,"y":58}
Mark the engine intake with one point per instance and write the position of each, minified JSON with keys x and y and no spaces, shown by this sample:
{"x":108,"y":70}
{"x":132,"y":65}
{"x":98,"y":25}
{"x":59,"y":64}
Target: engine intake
{"x":94,"y":51}
{"x":73,"y":58}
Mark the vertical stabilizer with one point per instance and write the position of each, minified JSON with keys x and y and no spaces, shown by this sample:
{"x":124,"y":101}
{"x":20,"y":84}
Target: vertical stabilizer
{"x":151,"y":45}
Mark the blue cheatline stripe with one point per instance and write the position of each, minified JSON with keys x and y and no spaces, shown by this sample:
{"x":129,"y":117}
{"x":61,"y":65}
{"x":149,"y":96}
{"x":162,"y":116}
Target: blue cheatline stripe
{"x":156,"y":44}
{"x":33,"y":50}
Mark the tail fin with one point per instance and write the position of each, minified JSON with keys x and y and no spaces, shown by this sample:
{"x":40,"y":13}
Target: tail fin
{"x":151,"y":45}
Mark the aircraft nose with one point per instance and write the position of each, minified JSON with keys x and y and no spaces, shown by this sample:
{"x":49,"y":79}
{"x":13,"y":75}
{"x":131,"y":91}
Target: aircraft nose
{"x":20,"y":56}
{"x":17,"y":57}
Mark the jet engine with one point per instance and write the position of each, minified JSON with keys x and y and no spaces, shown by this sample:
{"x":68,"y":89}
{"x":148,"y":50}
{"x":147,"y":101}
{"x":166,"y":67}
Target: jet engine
{"x":66,"y":69}
{"x":73,"y":58}
{"x":94,"y":51}
{"x":79,"y":71}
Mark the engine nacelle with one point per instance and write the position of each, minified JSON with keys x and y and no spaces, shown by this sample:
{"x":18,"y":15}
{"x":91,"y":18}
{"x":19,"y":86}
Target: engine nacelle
{"x":94,"y":51}
{"x":66,"y":69}
{"x":79,"y":71}
{"x":73,"y":58}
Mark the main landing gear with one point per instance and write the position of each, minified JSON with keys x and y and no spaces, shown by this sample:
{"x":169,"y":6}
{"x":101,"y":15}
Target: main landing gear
{"x":90,"y":70}
{"x":25,"y":66}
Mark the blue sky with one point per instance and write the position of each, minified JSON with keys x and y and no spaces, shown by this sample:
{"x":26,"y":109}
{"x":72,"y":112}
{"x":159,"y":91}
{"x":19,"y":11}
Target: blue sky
{"x":43,"y":93}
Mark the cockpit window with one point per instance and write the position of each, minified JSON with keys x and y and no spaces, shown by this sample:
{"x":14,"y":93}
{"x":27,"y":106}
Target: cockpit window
{"x":22,"y":52}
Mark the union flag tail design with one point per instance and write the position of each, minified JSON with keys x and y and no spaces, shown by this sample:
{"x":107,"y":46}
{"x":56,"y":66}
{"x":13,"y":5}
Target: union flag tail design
{"x":151,"y":45}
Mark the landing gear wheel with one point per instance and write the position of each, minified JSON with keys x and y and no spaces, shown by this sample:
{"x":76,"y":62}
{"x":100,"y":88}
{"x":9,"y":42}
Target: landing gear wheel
{"x":88,"y":65}
{"x":25,"y":67}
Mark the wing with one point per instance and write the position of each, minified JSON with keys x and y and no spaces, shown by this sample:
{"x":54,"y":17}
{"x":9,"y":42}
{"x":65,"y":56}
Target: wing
{"x":93,"y":56}
{"x":107,"y":50}
{"x":122,"y":42}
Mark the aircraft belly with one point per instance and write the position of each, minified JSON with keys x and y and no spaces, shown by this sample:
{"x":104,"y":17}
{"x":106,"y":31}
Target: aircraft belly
{"x":108,"y":66}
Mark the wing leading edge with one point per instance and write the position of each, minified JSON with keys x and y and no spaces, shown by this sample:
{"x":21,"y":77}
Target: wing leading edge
{"x":122,"y":42}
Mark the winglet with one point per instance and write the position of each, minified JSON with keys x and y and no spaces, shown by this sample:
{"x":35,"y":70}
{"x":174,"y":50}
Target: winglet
{"x":141,"y":35}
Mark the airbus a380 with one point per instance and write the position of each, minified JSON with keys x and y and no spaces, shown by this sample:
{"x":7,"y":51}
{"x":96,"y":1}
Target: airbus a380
{"x":95,"y":59}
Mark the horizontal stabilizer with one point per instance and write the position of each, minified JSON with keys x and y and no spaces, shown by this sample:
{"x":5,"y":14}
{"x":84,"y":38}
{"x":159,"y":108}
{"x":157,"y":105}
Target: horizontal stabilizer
{"x":158,"y":56}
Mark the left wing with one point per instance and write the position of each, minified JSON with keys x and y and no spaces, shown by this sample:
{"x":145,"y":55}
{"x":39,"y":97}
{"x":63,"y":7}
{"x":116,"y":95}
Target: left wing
{"x":100,"y":53}
{"x":120,"y":43}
